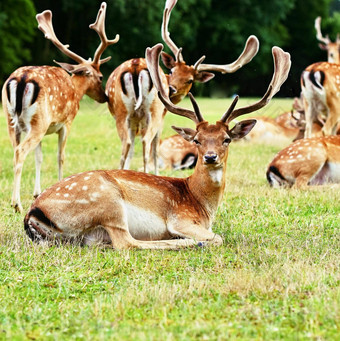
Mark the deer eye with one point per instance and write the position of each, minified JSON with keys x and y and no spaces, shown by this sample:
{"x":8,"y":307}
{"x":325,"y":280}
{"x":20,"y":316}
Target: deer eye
{"x":190,"y":81}
{"x":227,"y":140}
{"x":101,"y":78}
{"x":196,"y":141}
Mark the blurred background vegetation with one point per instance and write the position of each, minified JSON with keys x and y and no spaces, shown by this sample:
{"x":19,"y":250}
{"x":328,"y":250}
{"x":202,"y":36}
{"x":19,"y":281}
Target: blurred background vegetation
{"x":215,"y":28}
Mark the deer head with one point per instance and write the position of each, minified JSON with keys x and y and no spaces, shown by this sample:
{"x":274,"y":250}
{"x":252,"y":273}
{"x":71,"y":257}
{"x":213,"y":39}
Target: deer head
{"x":182,"y":76}
{"x":88,"y":68}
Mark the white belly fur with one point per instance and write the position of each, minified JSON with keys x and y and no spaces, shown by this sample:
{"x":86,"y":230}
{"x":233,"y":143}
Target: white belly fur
{"x":144,"y":224}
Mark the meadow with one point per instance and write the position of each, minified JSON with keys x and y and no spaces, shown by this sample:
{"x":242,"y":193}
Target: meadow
{"x":275,"y":278}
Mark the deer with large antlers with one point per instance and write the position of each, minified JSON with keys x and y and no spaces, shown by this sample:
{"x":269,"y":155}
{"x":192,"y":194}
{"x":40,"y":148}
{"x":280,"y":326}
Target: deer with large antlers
{"x":311,"y":161}
{"x":41,"y":100}
{"x":332,"y":48}
{"x":125,"y":209}
{"x":133,"y":101}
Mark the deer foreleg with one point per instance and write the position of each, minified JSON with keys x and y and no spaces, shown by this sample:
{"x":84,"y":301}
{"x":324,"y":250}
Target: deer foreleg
{"x":122,"y":239}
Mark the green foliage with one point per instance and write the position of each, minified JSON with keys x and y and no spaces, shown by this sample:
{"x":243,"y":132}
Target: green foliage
{"x":215,"y":28}
{"x":17,"y":29}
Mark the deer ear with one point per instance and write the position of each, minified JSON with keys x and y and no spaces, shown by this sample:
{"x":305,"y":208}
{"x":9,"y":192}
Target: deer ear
{"x":241,"y":129}
{"x":168,"y":60}
{"x":204,"y":76}
{"x":75,"y":69}
{"x":187,"y":133}
{"x":323,"y":46}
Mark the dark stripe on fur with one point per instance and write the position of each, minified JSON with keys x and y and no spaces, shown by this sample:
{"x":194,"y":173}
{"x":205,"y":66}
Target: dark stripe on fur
{"x":313,"y":80}
{"x":41,"y":216}
{"x":122,"y":83}
{"x":20,"y":92}
{"x":185,"y":159}
{"x":36,"y":90}
{"x":274,"y":170}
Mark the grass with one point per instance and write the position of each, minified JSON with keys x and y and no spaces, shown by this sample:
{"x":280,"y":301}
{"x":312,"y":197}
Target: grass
{"x":275,"y":278}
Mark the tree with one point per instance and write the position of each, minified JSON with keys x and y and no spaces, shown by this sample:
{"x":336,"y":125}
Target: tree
{"x":17,"y":29}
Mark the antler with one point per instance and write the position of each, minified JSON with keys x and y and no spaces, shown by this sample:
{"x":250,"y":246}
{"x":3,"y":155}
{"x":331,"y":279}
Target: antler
{"x":169,"y":5}
{"x":282,"y":65}
{"x":45,"y":25}
{"x":99,"y":27}
{"x":250,"y":50}
{"x":152,"y":59}
{"x":319,"y":36}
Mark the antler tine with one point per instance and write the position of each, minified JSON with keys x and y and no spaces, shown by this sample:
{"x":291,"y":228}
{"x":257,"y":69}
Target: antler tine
{"x":99,"y":27}
{"x":152,"y":59}
{"x":169,"y":5}
{"x":230,"y":110}
{"x":196,"y":107}
{"x":45,"y":25}
{"x":250,"y":50}
{"x":282,"y":65}
{"x":319,"y":36}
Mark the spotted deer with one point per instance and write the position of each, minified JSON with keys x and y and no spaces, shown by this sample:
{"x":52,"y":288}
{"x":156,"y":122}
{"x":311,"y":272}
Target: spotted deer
{"x":125,"y":209}
{"x":310,"y":161}
{"x":320,"y":84}
{"x":332,"y":48}
{"x":41,"y":100}
{"x":133,"y":101}
{"x":177,"y":153}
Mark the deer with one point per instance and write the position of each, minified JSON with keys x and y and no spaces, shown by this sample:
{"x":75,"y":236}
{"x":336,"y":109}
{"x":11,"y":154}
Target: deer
{"x":42,"y":100}
{"x":320,"y":85}
{"x":125,"y":209}
{"x":133,"y":100}
{"x":306,"y":162}
{"x":177,"y":153}
{"x":332,"y":48}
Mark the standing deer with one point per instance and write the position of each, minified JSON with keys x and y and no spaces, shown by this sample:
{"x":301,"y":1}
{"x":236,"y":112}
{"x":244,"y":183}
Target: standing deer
{"x":125,"y":209}
{"x":320,"y":84}
{"x":332,"y":49}
{"x":311,"y":161}
{"x":41,"y":100}
{"x":133,"y":101}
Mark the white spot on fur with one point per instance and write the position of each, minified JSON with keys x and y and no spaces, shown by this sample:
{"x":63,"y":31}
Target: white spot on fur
{"x":66,"y":195}
{"x":84,"y":188}
{"x":87,"y":178}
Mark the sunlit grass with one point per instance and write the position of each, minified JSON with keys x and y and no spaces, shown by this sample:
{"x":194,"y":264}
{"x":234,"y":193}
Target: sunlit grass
{"x":275,"y":278}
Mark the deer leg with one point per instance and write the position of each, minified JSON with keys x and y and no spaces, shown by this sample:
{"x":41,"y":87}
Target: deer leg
{"x":122,"y":239}
{"x":130,"y":153}
{"x":199,"y":234}
{"x":62,"y":137}
{"x":331,"y":125}
{"x":155,"y":148}
{"x":38,"y":162}
{"x":20,"y":153}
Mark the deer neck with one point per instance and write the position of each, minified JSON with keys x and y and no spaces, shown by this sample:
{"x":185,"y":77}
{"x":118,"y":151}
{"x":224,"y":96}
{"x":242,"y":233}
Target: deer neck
{"x":207,"y":184}
{"x":80,"y":84}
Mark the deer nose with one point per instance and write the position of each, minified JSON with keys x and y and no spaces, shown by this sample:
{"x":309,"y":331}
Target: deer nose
{"x":210,"y":157}
{"x":172,"y":90}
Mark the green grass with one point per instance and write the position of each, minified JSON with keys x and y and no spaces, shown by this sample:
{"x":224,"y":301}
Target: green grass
{"x":275,"y":278}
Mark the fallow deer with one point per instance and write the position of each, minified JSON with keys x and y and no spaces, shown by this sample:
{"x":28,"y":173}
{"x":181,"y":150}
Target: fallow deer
{"x":41,"y":100}
{"x":125,"y":209}
{"x":332,"y":48}
{"x":133,"y":101}
{"x":310,"y":161}
{"x":320,"y":84}
{"x":177,"y":153}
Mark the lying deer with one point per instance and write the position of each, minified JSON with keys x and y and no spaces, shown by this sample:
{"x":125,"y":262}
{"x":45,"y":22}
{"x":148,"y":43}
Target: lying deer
{"x":177,"y":153}
{"x":133,"y":100}
{"x":310,"y":161}
{"x":125,"y":209}
{"x":41,"y":100}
